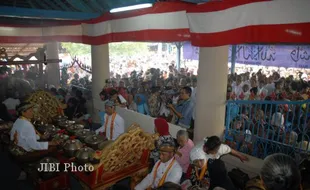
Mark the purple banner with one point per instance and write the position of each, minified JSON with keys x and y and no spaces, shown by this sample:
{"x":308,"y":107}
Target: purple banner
{"x":265,"y":55}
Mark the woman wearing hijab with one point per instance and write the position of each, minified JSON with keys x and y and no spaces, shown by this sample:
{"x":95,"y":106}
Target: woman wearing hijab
{"x":162,"y":128}
{"x":208,"y":173}
{"x":142,"y":107}
{"x":199,"y":174}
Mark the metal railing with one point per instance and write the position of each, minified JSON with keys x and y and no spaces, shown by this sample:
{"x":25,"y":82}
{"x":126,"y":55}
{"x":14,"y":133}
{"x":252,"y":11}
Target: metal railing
{"x":261,"y":128}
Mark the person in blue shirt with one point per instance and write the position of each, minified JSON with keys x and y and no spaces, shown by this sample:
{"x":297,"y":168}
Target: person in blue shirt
{"x":184,"y":109}
{"x":141,"y":102}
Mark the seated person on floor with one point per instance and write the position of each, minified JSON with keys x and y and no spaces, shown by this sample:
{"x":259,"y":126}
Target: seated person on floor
{"x":114,"y":124}
{"x":208,"y":173}
{"x":185,"y":147}
{"x":24,"y":134}
{"x":199,"y":173}
{"x":167,"y":169}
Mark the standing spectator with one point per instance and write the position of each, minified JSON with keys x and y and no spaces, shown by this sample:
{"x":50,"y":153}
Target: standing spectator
{"x":184,"y":110}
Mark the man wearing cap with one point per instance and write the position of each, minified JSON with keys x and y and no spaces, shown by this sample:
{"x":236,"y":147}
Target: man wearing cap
{"x":24,"y":134}
{"x":114,"y":124}
{"x":167,"y":169}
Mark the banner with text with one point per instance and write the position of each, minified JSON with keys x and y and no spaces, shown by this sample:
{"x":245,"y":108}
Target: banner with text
{"x":297,"y":56}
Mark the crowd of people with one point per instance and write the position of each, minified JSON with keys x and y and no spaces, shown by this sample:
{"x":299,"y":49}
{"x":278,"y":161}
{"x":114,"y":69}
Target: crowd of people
{"x":170,"y":96}
{"x":184,"y":165}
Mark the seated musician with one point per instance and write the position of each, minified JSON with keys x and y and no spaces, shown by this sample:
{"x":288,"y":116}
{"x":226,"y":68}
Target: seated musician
{"x":114,"y":124}
{"x":167,"y":169}
{"x":24,"y":135}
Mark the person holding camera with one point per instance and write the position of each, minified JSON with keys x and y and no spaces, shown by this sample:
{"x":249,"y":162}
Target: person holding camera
{"x":184,"y":109}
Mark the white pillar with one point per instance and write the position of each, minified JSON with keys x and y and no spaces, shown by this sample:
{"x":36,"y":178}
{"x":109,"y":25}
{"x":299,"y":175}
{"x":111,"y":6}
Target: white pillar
{"x":52,"y":69}
{"x":211,"y":92}
{"x":100,"y":72}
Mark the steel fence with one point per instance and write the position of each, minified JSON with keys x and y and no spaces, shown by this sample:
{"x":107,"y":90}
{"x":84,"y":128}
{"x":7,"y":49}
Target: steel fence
{"x":260,"y":128}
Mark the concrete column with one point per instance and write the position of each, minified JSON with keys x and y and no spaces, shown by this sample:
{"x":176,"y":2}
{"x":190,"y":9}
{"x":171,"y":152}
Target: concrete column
{"x":211,"y":92}
{"x":100,"y":72}
{"x":53,"y":72}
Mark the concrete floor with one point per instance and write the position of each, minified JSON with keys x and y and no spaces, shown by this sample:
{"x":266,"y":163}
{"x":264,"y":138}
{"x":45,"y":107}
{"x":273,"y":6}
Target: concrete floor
{"x":75,"y":185}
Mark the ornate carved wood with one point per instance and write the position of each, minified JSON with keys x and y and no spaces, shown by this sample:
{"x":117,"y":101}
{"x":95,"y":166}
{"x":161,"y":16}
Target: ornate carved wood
{"x":82,"y":66}
{"x":39,"y":55}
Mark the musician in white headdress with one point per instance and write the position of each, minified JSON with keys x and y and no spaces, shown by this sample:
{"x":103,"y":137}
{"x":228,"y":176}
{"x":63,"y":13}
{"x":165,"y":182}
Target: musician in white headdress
{"x":114,"y":124}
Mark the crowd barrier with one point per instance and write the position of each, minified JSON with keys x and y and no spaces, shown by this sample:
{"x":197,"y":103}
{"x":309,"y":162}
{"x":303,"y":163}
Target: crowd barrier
{"x":261,"y":128}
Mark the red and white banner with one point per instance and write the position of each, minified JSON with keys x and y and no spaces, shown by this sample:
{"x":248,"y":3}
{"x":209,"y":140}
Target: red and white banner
{"x":163,"y":22}
{"x":245,"y":21}
{"x":209,"y":24}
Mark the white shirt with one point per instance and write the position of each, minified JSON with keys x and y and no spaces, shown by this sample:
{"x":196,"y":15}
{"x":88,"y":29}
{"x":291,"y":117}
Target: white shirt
{"x":119,"y":126}
{"x":262,"y":90}
{"x":271,"y":88}
{"x":247,"y":95}
{"x":277,"y":119}
{"x":223,"y":150}
{"x":174,"y":175}
{"x":26,"y":136}
{"x":175,"y":100}
{"x":11,"y":103}
{"x":238,"y":90}
{"x":164,"y":110}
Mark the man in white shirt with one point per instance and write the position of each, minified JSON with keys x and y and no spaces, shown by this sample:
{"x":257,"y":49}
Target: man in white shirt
{"x":262,"y":90}
{"x":114,"y":124}
{"x":270,"y":87}
{"x":23,"y":133}
{"x":167,"y":169}
{"x":214,"y":149}
{"x":237,"y":89}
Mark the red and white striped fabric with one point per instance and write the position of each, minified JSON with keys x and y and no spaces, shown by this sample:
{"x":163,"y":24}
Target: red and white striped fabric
{"x":249,"y":21}
{"x":163,"y":22}
{"x":210,"y":24}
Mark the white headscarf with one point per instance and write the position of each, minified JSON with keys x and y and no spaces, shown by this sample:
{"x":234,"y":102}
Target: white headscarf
{"x":197,"y":153}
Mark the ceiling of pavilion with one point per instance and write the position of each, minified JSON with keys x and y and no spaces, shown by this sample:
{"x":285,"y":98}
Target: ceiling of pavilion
{"x":23,"y":49}
{"x":47,"y":12}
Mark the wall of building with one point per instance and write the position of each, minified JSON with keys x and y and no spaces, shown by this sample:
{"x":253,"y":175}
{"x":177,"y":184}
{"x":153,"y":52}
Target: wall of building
{"x":147,"y":124}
